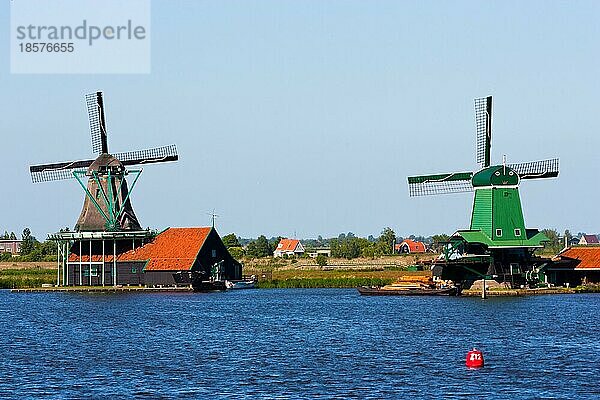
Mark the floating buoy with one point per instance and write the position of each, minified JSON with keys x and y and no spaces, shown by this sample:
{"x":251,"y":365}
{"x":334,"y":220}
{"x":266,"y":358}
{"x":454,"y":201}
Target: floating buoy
{"x":474,"y":359}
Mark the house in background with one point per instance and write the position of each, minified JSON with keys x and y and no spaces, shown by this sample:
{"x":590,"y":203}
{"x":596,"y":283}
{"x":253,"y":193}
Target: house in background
{"x":289,"y":247}
{"x":409,"y":247}
{"x":589,"y":239}
{"x":326,"y":251}
{"x":12,"y":246}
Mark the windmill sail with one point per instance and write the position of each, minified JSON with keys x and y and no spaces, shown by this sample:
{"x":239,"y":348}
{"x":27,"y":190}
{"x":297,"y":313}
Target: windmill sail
{"x":483,"y":123}
{"x":148,"y":156}
{"x":95,"y":108}
{"x":425,"y":185}
{"x":536,"y":169}
{"x":57,"y":171}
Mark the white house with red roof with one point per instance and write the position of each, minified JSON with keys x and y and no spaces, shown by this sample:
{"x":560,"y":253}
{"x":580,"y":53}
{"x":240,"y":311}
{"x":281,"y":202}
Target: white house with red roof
{"x":288,"y":247}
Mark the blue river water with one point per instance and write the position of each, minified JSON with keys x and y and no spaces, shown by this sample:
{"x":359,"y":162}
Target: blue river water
{"x":296,"y":343}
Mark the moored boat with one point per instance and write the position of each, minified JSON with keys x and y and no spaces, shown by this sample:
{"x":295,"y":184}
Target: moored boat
{"x":243,"y":284}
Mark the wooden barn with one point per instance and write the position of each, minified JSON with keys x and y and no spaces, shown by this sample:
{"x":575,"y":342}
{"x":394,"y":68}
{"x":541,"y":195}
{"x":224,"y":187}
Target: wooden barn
{"x":162,"y":261}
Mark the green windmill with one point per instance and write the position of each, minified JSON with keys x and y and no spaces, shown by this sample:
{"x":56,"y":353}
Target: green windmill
{"x":497,"y":245}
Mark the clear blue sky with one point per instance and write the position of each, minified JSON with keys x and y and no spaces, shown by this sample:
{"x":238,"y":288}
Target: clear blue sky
{"x":307,"y":116}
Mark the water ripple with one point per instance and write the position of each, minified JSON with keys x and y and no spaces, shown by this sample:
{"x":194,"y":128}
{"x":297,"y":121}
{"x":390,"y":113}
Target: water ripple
{"x":295,"y":344}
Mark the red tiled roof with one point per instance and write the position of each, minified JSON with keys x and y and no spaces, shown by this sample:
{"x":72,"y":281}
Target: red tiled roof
{"x":415,"y":247}
{"x":589,"y":257}
{"x":287,"y":244}
{"x":173,"y":249}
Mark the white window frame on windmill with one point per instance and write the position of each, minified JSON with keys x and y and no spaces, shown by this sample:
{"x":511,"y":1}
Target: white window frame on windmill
{"x":518,"y":232}
{"x":498,"y":232}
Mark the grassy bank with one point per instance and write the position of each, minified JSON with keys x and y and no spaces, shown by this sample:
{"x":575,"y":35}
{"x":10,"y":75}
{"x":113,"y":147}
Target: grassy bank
{"x":386,"y":262}
{"x":323,"y":283}
{"x":25,"y":278}
{"x":314,"y":278}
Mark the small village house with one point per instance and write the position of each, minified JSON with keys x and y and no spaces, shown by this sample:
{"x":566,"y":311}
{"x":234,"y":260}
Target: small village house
{"x":314,"y":253}
{"x":12,"y":246}
{"x":410,"y":247}
{"x":589,"y":239}
{"x":289,"y":248}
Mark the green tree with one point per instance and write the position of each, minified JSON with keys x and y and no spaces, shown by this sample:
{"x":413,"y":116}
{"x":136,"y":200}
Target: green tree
{"x":231,"y":240}
{"x":386,"y":242}
{"x":236,"y":252}
{"x":368,"y":251}
{"x":321,"y":260}
{"x":259,"y":248}
{"x":28,"y":242}
{"x":553,"y":244}
{"x":438,"y":241}
{"x":13,"y":236}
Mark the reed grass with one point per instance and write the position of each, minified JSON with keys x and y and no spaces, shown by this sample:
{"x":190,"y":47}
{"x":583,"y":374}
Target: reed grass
{"x":323,"y":282}
{"x":26,"y":278}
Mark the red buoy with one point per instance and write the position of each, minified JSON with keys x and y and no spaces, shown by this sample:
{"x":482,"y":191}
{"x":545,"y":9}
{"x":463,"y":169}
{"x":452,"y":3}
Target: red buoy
{"x":474,"y":359}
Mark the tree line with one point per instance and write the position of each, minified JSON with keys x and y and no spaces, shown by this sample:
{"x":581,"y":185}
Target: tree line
{"x":349,"y":246}
{"x":31,"y":248}
{"x":345,"y":245}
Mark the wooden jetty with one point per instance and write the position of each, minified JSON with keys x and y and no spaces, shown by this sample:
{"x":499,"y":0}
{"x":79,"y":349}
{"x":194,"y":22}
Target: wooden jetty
{"x":104,"y":289}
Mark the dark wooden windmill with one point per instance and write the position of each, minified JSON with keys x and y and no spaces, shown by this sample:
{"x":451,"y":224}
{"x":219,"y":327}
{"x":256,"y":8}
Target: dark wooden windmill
{"x":107,"y":204}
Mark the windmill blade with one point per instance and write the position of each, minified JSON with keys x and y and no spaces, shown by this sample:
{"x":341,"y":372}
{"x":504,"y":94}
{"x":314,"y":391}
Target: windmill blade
{"x":483,"y":124}
{"x":95,"y":108}
{"x":536,"y":169}
{"x":57,"y":171}
{"x":148,"y":156}
{"x":425,"y":185}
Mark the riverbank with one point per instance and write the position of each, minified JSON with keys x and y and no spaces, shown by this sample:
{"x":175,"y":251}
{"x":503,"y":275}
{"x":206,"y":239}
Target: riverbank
{"x":272,"y":273}
{"x":401,"y":262}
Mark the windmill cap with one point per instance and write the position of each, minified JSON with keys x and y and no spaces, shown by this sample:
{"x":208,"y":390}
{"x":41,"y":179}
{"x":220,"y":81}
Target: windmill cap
{"x":105,"y":162}
{"x":497,"y":175}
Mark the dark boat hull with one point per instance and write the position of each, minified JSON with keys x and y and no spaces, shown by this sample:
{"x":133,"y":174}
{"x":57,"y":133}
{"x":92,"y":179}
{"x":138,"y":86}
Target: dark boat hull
{"x":208,"y":286}
{"x":371,"y":291}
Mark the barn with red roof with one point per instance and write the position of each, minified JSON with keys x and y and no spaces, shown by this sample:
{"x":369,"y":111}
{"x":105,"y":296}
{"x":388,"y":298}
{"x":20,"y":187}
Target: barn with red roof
{"x":409,"y":246}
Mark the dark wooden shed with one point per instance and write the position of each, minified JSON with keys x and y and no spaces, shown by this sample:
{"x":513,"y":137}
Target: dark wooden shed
{"x":180,"y":251}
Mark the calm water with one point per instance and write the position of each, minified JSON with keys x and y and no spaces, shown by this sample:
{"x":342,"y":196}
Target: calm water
{"x":296,"y":344}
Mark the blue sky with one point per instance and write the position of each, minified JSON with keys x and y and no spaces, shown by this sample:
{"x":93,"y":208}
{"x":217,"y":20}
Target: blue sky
{"x":306,"y":117}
